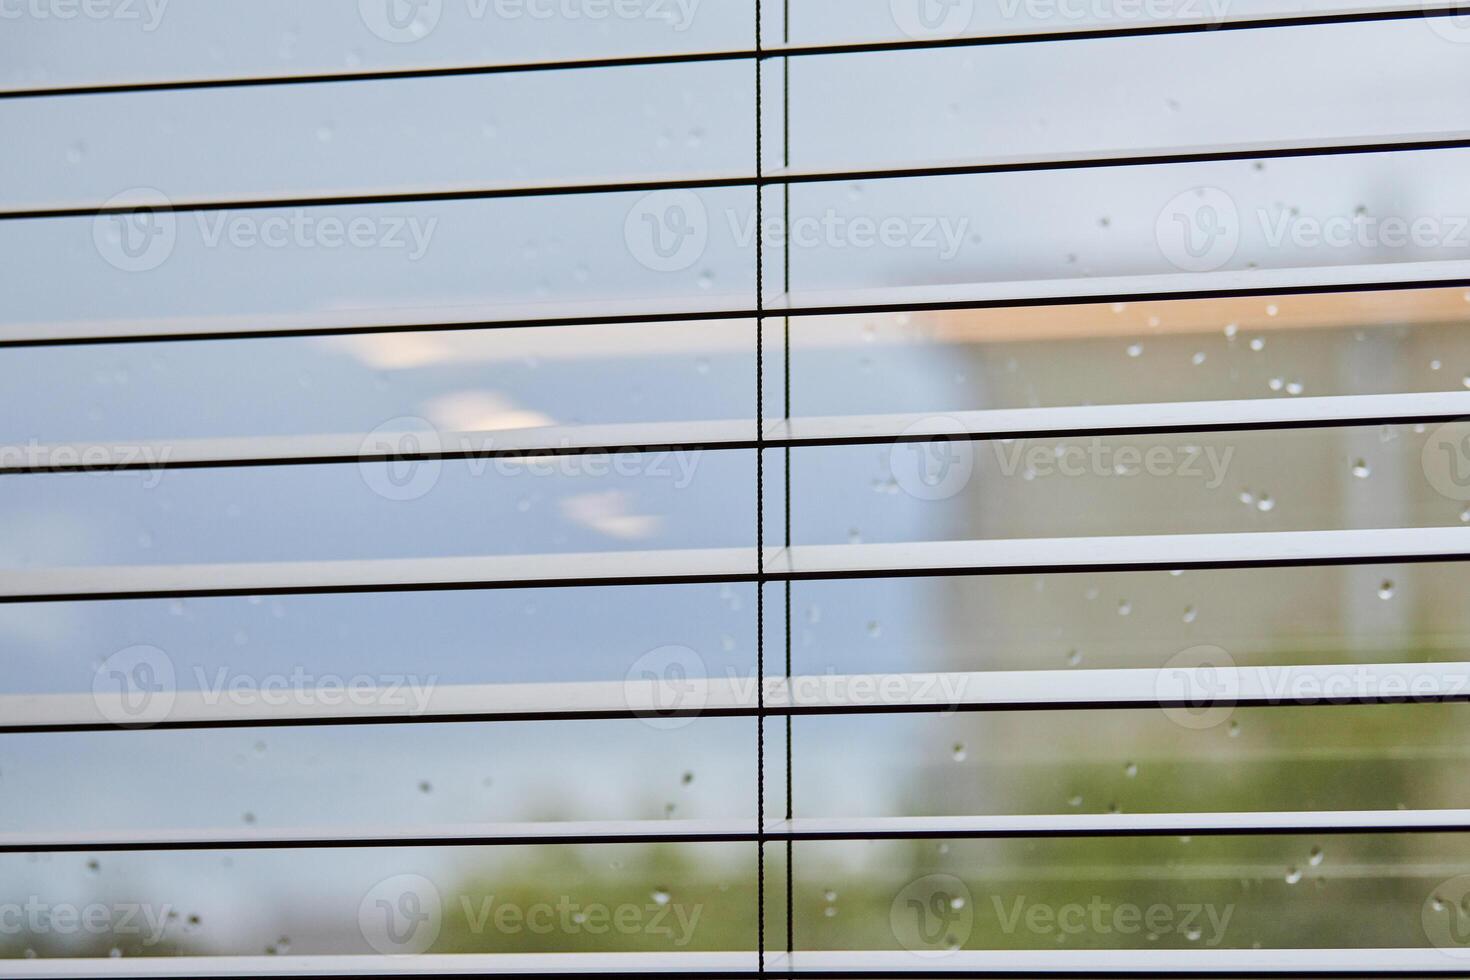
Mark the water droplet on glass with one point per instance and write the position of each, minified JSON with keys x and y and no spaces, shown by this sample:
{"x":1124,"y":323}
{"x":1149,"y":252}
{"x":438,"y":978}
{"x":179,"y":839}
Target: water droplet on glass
{"x":875,"y":629}
{"x":1361,"y":469}
{"x":1198,"y":358}
{"x":1385,"y":589}
{"x":1130,"y":769}
{"x":1258,"y":344}
{"x":248,"y":817}
{"x":958,"y":752}
{"x":660,"y":896}
{"x":1293,"y":875}
{"x":1124,"y":607}
{"x":1235,"y":729}
{"x":829,"y":895}
{"x":1135,"y":350}
{"x":1074,"y":657}
{"x":1315,"y":857}
{"x":1231,"y":329}
{"x":957,"y":903}
{"x":424,"y":786}
{"x":1074,"y":801}
{"x":76,"y":152}
{"x":687,"y":778}
{"x":1190,"y":614}
{"x":1265,"y":503}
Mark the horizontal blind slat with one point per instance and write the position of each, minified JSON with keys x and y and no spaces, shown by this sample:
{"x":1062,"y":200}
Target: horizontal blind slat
{"x":1019,"y":163}
{"x":1180,"y":25}
{"x":875,"y":560}
{"x":1005,"y":423}
{"x":972,"y":827}
{"x":1195,"y":686}
{"x":993,"y":295}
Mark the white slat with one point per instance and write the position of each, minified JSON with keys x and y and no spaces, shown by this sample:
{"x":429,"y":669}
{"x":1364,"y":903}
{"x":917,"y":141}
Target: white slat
{"x":1223,"y":18}
{"x":737,"y":829}
{"x":525,"y":570}
{"x":425,"y":701}
{"x":1037,"y":292}
{"x":1044,"y":161}
{"x":1151,"y":551}
{"x":999,"y":556}
{"x":1079,"y":420}
{"x":1090,"y":420}
{"x":1131,"y":288}
{"x":856,"y":964}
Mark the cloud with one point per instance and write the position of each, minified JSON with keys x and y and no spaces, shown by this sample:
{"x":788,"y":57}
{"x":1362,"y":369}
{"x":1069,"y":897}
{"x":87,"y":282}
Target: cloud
{"x":608,"y":513}
{"x":477,"y":410}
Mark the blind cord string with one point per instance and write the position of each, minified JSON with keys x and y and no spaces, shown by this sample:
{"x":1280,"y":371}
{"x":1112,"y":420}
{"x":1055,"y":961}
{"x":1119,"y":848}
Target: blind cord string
{"x":760,"y":518}
{"x":786,"y":408}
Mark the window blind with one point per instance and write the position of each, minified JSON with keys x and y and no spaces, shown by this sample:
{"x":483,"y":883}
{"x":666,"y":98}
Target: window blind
{"x":778,"y":315}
